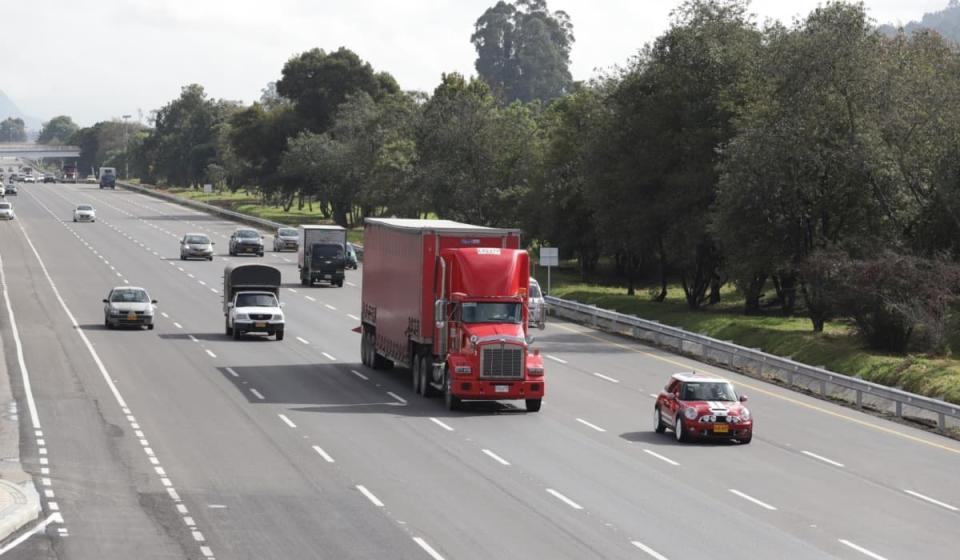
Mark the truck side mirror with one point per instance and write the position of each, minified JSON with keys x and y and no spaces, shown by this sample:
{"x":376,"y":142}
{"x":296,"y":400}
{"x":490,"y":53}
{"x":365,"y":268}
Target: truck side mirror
{"x":229,"y":304}
{"x":105,"y":301}
{"x":154,"y":302}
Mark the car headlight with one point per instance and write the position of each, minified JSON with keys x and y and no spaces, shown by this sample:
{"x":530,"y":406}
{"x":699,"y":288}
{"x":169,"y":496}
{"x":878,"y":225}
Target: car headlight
{"x":708,"y":418}
{"x":148,"y":313}
{"x":242,"y":317}
{"x":745,"y":414}
{"x":114,"y":311}
{"x":690,"y":413}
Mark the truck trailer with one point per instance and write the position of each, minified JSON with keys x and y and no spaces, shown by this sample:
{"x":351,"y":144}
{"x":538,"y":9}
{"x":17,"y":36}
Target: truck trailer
{"x":449,"y":301}
{"x":322,"y":255}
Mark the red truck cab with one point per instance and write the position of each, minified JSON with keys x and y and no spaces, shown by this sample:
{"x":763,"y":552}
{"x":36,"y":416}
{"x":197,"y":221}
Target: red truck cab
{"x":449,"y":301}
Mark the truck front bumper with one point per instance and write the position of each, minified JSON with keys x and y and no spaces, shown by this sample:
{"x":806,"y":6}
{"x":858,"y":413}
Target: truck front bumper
{"x":268,"y":327}
{"x":483,"y":389}
{"x":321,"y":276}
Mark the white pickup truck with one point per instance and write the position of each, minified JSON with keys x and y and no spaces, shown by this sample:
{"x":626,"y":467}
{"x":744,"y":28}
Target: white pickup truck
{"x":251,"y":304}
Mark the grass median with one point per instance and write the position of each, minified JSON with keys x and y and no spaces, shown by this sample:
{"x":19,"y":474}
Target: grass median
{"x":838,"y":348}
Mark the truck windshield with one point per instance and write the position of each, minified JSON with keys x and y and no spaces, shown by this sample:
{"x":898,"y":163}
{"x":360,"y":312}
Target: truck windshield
{"x":475,"y":312}
{"x":327,"y":252}
{"x":256,"y":300}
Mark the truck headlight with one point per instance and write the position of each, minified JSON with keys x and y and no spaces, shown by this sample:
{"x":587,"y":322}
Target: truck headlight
{"x":690,"y":413}
{"x":278,"y":317}
{"x":465,"y":370}
{"x":242,"y":317}
{"x":535,"y":371}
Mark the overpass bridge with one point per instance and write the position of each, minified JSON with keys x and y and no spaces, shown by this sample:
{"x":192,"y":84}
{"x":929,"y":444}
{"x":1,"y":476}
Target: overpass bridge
{"x":37,"y":151}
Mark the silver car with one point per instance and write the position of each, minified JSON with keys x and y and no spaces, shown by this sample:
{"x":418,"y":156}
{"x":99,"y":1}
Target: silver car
{"x":286,"y":238}
{"x":6,"y":211}
{"x":537,"y":305}
{"x":128,"y":306}
{"x":196,"y":246}
{"x":84,"y":213}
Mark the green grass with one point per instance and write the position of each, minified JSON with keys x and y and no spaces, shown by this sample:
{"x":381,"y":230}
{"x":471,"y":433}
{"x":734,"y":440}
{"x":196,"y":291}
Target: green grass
{"x":838,"y":348}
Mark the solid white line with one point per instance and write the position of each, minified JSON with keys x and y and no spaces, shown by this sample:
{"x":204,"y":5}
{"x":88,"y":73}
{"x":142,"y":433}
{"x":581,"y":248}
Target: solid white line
{"x":38,"y":528}
{"x":398,"y":397}
{"x":326,"y":456}
{"x":231,"y":372}
{"x":496,"y":457}
{"x":287,"y":421}
{"x":257,"y":394}
{"x":211,"y":354}
{"x":310,"y":298}
{"x":24,"y":373}
{"x":329,"y":357}
{"x":360,"y":375}
{"x":589,"y":425}
{"x":653,"y":553}
{"x":564,"y":499}
{"x":363,"y":490}
{"x":752,"y":499}
{"x":441,"y":424}
{"x":661,"y":457}
{"x":556,"y":359}
{"x":861,"y":550}
{"x":610,"y":379}
{"x":427,"y":548}
{"x":931,"y":500}
{"x":354,"y":317}
{"x":303,"y":340}
{"x":824,"y":459}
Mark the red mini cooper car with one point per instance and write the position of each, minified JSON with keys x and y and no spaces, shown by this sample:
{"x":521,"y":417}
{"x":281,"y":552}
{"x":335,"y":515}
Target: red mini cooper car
{"x":697,"y":406}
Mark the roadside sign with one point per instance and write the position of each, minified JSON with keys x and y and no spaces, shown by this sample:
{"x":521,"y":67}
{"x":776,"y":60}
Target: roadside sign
{"x":207,"y":188}
{"x":549,"y":257}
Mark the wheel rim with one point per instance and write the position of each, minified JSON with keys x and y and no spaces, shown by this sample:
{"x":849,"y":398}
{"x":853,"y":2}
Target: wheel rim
{"x":678,"y":429}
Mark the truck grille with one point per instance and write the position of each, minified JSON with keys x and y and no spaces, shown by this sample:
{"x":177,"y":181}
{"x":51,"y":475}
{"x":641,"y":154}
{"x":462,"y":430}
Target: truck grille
{"x":260,"y":316}
{"x":501,"y":362}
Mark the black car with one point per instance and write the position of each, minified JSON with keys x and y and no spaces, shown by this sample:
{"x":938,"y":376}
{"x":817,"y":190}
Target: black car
{"x":49,"y":179}
{"x":10,"y":189}
{"x":246,"y":242}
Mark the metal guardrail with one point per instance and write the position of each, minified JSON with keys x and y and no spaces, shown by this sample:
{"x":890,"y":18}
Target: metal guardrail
{"x":209,"y":208}
{"x":760,"y":364}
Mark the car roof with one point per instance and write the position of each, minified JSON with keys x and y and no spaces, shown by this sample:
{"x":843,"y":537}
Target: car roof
{"x":692,"y":376}
{"x":195,"y":233}
{"x":245,"y":229}
{"x":132,"y":288}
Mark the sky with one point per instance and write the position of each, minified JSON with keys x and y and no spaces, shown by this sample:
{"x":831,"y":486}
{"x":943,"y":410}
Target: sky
{"x":100,"y":59}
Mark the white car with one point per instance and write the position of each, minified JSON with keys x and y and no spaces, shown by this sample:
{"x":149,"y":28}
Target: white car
{"x":29,"y":179}
{"x":537,"y":306}
{"x":6,"y":211}
{"x":84,"y":213}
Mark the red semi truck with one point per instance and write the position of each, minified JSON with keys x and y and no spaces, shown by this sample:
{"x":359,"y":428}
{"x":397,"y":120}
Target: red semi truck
{"x":449,"y":301}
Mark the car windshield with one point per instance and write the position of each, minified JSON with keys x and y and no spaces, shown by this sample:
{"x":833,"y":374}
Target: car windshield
{"x":535,"y":291}
{"x":708,"y":391}
{"x":198,"y":239}
{"x":327,"y":252}
{"x":247,"y":234}
{"x":5,"y":206}
{"x":287,"y":232}
{"x":256,"y":300}
{"x":129,"y":296}
{"x":476,"y":312}
{"x":83,"y":207}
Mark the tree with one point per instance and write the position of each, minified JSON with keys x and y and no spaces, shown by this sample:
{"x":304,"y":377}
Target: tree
{"x":13,"y":130}
{"x":58,"y":130}
{"x":523,"y":50}
{"x":317,"y":83}
{"x":257,"y":139}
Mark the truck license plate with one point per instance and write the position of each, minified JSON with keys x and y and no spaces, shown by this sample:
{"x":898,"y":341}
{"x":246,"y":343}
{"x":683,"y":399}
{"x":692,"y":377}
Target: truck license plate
{"x":260,"y":325}
{"x":501,"y":388}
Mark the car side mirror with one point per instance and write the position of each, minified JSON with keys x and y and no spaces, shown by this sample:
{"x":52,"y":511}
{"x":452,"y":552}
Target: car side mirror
{"x":105,"y":301}
{"x":213,"y":242}
{"x":743,"y":398}
{"x":153,"y":301}
{"x":283,"y":304}
{"x":182,"y":241}
{"x":530,"y":339}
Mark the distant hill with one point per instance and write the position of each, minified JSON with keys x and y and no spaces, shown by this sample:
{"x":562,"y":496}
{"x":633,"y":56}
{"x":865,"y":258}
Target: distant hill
{"x":9,"y":109}
{"x":946,"y":22}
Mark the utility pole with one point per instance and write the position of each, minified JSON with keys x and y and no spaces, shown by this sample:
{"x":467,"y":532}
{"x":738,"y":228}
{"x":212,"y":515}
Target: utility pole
{"x":126,"y":148}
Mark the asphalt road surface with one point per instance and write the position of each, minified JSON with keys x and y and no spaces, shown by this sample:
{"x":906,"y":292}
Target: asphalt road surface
{"x":182,"y":443}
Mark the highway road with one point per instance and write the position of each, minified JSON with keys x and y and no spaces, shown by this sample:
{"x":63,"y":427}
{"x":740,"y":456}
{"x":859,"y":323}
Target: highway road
{"x":183,"y":443}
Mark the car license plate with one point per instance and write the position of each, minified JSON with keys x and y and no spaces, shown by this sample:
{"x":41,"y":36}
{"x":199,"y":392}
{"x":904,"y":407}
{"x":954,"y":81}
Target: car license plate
{"x":131,"y":316}
{"x":260,"y":325}
{"x":721,"y":429}
{"x":501,"y":388}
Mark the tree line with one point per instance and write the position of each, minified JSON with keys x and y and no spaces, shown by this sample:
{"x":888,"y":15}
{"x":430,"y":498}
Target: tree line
{"x":816,"y":162}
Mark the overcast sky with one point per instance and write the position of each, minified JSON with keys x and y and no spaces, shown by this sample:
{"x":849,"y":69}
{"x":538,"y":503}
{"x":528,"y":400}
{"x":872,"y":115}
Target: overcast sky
{"x":100,"y":59}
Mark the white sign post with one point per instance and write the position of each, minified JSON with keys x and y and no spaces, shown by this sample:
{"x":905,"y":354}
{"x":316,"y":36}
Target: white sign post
{"x":207,"y":188}
{"x":549,"y":257}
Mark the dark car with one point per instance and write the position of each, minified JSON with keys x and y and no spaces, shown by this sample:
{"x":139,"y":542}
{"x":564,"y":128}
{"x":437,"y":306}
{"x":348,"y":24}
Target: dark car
{"x":246,"y":242}
{"x":351,"y":261}
{"x":698,"y":406}
{"x":286,"y":239}
{"x":49,"y":179}
{"x":10,"y":189}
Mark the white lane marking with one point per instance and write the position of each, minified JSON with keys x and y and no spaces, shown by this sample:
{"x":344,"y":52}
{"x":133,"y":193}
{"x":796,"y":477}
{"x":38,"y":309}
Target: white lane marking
{"x":654,"y":395}
{"x":661,"y":457}
{"x":326,"y":456}
{"x":822,"y":458}
{"x":373,"y":499}
{"x":329,"y":357}
{"x":182,"y":509}
{"x":178,"y":325}
{"x":397,"y":397}
{"x":202,"y":283}
{"x":287,"y":421}
{"x":39,"y":528}
{"x":291,"y":290}
{"x":589,"y":425}
{"x":653,"y":553}
{"x":192,"y":338}
{"x":231,"y":372}
{"x":931,"y":500}
{"x":752,"y":499}
{"x":441,"y":424}
{"x":610,"y":379}
{"x":188,"y":521}
{"x":303,"y":340}
{"x":164,"y":315}
{"x":257,"y":394}
{"x":214,"y":290}
{"x":351,"y":284}
{"x":861,"y":550}
{"x":21,"y":361}
{"x":209,"y":353}
{"x":354,"y":317}
{"x":360,"y":375}
{"x":330,"y":307}
{"x":190,"y":276}
{"x":496,"y":457}
{"x":427,"y":548}
{"x":180,"y":268}
{"x":564,"y":499}
{"x":556,"y":359}
{"x":310,"y":298}
{"x":198,"y":536}
{"x":206,"y":551}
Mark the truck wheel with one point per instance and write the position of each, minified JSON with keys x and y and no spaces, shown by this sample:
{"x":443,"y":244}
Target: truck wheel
{"x":533,"y":405}
{"x":452,"y":401}
{"x":415,"y":375}
{"x":340,"y":283}
{"x":226,"y":326}
{"x":280,"y":335}
{"x":236,"y":333}
{"x":379,"y":362}
{"x":426,"y":390}
{"x":303,"y":281}
{"x":363,"y":349}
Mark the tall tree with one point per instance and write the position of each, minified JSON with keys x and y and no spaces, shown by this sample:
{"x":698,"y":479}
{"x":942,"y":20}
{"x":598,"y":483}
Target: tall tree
{"x":523,"y":50}
{"x":58,"y":130}
{"x":13,"y":130}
